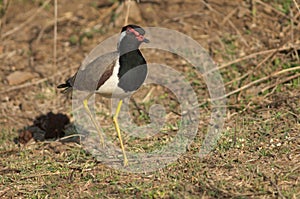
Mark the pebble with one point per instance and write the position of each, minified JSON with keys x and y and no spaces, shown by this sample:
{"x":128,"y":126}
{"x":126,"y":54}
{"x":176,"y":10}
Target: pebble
{"x":26,"y":106}
{"x":19,"y":77}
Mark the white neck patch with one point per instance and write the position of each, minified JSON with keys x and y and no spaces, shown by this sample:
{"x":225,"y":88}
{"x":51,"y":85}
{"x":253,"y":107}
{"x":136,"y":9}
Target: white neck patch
{"x":122,"y":35}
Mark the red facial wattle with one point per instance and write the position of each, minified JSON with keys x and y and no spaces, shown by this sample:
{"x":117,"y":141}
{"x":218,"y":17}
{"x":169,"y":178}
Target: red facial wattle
{"x":138,"y":36}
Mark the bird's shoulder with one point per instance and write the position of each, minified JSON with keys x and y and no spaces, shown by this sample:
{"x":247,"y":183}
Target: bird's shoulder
{"x":92,"y":75}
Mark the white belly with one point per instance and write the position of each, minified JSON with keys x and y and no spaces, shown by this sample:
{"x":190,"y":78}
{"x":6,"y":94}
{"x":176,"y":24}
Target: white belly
{"x":110,"y":87}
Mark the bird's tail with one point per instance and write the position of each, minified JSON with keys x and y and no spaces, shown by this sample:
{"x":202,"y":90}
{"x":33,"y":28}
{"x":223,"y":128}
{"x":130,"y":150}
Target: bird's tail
{"x":67,"y":86}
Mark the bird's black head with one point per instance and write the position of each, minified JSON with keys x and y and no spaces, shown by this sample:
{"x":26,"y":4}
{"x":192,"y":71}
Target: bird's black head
{"x":131,"y":37}
{"x":134,"y":31}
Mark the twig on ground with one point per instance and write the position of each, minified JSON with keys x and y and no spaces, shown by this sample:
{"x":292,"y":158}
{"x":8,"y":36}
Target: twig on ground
{"x":229,"y":21}
{"x":228,"y":16}
{"x":293,"y":19}
{"x":27,"y":21}
{"x":261,"y":80}
{"x":45,"y":174}
{"x":127,"y":2}
{"x":55,"y":37}
{"x":280,"y":82}
{"x":252,"y":71}
{"x":28,"y":84}
{"x":181,"y":17}
{"x":238,"y":32}
{"x":254,"y":10}
{"x":254,"y":55}
{"x":297,"y":6}
{"x":3,"y":192}
{"x":12,"y":88}
{"x":49,"y":24}
{"x":4,"y":7}
{"x":275,"y":185}
{"x":272,"y":8}
{"x":147,"y":97}
{"x":69,"y":136}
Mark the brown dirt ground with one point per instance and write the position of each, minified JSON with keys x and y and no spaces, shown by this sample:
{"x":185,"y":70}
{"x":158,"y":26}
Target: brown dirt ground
{"x":256,"y":44}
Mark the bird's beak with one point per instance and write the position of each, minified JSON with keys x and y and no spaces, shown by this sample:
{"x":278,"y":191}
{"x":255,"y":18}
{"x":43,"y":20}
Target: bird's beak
{"x":146,"y":40}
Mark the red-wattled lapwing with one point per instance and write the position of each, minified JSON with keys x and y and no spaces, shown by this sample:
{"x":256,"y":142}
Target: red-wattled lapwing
{"x":120,"y":79}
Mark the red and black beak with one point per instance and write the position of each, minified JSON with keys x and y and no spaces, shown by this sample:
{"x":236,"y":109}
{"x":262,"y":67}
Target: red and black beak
{"x":146,"y":40}
{"x":142,"y":38}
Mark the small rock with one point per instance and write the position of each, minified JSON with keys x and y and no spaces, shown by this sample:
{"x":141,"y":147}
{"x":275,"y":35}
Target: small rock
{"x":25,"y":136}
{"x":268,"y":10}
{"x":5,"y":99}
{"x":26,"y":106}
{"x":19,"y":77}
{"x":135,"y":15}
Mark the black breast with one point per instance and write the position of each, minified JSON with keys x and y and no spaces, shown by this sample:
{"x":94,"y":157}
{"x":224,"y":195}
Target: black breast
{"x":133,"y":70}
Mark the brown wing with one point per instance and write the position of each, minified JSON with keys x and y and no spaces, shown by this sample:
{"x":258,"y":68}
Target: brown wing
{"x":107,"y":73}
{"x":91,"y":77}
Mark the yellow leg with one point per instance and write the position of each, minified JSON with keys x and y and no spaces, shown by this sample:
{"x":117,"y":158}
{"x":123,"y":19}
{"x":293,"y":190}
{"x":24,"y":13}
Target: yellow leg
{"x":85,"y":105}
{"x":115,"y":118}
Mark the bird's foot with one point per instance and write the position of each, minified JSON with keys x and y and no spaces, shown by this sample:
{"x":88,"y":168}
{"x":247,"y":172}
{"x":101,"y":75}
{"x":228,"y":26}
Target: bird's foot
{"x":125,"y":163}
{"x":102,"y":144}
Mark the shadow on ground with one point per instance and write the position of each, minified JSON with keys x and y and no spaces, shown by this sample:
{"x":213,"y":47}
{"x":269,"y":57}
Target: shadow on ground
{"x":47,"y":127}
